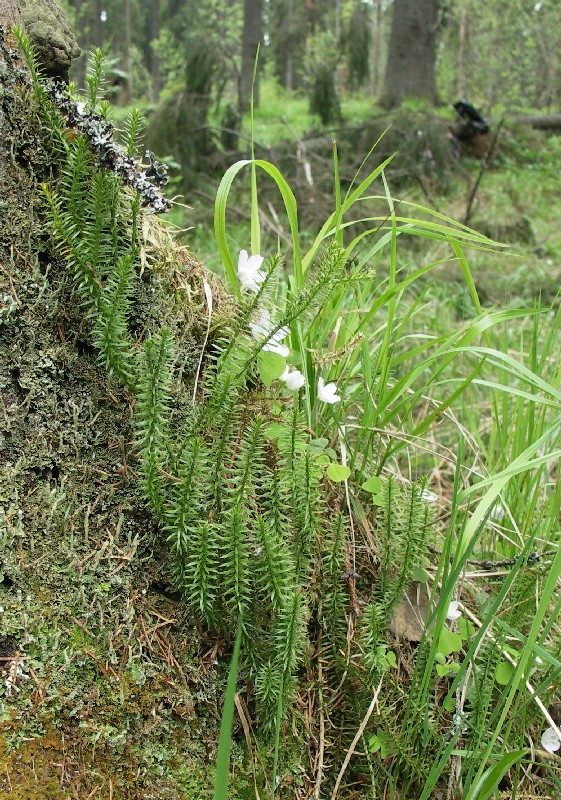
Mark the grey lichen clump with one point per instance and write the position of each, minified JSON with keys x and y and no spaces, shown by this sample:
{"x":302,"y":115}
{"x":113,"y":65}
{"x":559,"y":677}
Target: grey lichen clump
{"x":99,"y":132}
{"x":51,"y":35}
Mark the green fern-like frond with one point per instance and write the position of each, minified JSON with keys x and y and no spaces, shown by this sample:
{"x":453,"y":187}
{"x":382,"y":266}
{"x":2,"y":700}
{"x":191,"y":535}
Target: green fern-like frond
{"x":334,"y":596}
{"x":153,"y":390}
{"x":274,"y":567}
{"x":111,"y":333}
{"x":238,"y":572}
{"x":330,"y":272}
{"x":67,"y":234}
{"x":199,"y":577}
{"x":411,"y":525}
{"x":276,"y":681}
{"x":95,"y":78}
{"x":53,"y":126}
{"x":301,"y":474}
{"x":132,"y":131}
{"x":372,"y":634}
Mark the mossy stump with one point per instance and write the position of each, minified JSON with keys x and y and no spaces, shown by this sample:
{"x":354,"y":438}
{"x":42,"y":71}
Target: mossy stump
{"x":104,"y":691}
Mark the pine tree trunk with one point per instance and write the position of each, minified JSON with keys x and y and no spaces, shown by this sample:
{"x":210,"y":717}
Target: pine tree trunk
{"x":251,"y":39}
{"x":376,"y":45}
{"x":127,"y":56}
{"x":410,"y":69}
{"x":463,"y":51}
{"x":153,"y":22}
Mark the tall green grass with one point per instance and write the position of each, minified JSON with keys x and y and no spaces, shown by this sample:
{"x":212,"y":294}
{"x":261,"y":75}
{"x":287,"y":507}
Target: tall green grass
{"x":410,"y":382}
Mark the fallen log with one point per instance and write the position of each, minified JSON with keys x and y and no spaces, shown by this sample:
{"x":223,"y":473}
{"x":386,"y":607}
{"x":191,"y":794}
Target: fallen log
{"x":542,"y":122}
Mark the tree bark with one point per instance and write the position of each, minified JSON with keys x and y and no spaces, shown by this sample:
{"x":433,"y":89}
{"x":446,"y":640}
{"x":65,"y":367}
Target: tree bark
{"x":463,"y":51}
{"x":376,"y":45}
{"x":410,"y":69}
{"x":127,"y":55}
{"x":152,"y":31}
{"x":251,"y":39}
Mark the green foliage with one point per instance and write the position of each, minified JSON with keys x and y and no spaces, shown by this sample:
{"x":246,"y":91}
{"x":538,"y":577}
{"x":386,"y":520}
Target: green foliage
{"x":404,"y":528}
{"x":323,"y":96}
{"x":267,"y":527}
{"x":152,"y":414}
{"x":110,"y":329}
{"x":53,"y":125}
{"x":95,"y":224}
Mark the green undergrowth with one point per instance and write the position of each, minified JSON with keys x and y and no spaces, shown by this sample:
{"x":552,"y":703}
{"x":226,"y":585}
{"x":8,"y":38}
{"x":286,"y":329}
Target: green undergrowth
{"x":332,"y":478}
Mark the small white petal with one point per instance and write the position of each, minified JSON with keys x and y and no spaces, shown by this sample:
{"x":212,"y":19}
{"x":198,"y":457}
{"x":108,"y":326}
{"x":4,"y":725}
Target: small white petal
{"x":327,"y":392}
{"x":252,"y":280}
{"x":453,"y":612}
{"x":242,"y":259}
{"x":262,"y":329}
{"x":253,"y":263}
{"x":293,"y":379}
{"x":263,"y":326}
{"x":274,"y":346}
{"x":249,"y":273}
{"x":550,"y":740}
{"x":103,"y":16}
{"x":281,"y":334}
{"x":429,"y":497}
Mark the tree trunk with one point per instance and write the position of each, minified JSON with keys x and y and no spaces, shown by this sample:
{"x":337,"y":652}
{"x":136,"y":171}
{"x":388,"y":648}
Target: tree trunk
{"x":251,"y":39}
{"x":410,"y":69}
{"x":542,"y":122}
{"x":127,"y":56}
{"x":152,"y":31}
{"x":338,"y":21}
{"x":47,"y":27}
{"x":463,"y":51}
{"x":376,"y":45}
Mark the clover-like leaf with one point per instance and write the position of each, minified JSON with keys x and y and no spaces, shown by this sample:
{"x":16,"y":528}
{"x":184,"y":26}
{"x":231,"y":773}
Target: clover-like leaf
{"x":338,"y":472}
{"x":271,"y":366}
{"x":373,"y":485}
{"x":449,"y":642}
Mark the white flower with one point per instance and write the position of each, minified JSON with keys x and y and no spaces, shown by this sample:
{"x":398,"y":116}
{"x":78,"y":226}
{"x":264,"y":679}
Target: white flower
{"x":550,"y":740}
{"x":327,"y":392}
{"x":263,"y":329}
{"x":453,"y":612}
{"x":250,"y":274}
{"x":103,"y":16}
{"x":429,"y":497}
{"x":293,"y":378}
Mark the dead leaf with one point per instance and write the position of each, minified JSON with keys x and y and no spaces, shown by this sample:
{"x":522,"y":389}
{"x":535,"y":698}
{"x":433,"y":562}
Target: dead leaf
{"x":409,"y":617}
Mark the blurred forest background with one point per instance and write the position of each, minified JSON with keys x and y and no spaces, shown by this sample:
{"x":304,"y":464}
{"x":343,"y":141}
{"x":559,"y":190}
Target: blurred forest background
{"x":500,"y":54}
{"x":348,"y":69}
